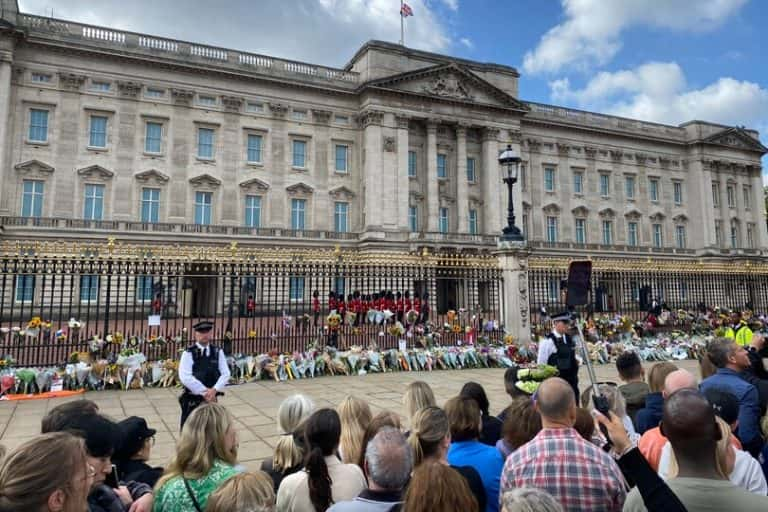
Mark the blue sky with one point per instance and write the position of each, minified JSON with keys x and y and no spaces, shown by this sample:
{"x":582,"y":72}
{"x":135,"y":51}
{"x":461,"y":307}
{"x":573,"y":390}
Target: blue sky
{"x":658,"y":60}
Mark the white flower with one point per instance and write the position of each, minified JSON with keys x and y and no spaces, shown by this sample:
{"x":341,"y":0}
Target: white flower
{"x":109,"y":338}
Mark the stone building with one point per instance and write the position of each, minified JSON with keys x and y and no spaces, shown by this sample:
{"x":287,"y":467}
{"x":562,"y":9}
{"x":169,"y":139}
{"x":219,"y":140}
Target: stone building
{"x":152,"y":140}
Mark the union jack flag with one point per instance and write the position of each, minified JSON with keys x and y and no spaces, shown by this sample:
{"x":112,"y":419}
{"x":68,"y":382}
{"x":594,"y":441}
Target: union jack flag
{"x":406,"y":11}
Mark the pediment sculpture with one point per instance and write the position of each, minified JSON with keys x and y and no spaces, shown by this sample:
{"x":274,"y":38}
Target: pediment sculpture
{"x":447,"y":86}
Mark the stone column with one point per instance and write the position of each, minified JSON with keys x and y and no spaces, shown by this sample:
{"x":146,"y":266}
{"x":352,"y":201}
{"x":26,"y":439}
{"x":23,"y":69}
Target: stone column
{"x":433,"y":187}
{"x":278,"y":202}
{"x":123,"y":143}
{"x":6,"y":58}
{"x":372,"y":168}
{"x":700,"y":205}
{"x":758,"y":209}
{"x":515,"y":313}
{"x":322,"y":204}
{"x":403,"y":187}
{"x":181,"y":146}
{"x":492,"y":184}
{"x":462,"y":186}
{"x":67,"y":130}
{"x":231,"y":135}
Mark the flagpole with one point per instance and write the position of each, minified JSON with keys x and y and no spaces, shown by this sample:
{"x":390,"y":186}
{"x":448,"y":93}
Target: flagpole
{"x":402,"y":26}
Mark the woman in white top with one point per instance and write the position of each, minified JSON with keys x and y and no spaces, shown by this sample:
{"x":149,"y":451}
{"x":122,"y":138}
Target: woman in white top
{"x":739,"y":466}
{"x":325,"y":479}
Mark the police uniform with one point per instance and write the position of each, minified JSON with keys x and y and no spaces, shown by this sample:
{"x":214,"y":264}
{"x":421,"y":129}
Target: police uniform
{"x":560,"y":351}
{"x":202,"y":367}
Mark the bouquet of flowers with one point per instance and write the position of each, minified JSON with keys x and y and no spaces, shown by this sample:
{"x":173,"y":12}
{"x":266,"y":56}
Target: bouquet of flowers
{"x":396,"y":329}
{"x":333,"y":321}
{"x":529,"y":379}
{"x":33,"y":327}
{"x":411,"y":317}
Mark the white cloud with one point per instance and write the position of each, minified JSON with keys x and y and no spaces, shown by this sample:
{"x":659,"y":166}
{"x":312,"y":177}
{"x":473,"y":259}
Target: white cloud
{"x":467,"y":42}
{"x":657,"y":91}
{"x":318,"y":31}
{"x":590,"y":34}
{"x":452,"y":4}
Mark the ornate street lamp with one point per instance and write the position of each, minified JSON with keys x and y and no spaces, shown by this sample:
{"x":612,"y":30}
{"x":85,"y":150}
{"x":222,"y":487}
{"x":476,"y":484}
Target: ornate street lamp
{"x":510,"y":163}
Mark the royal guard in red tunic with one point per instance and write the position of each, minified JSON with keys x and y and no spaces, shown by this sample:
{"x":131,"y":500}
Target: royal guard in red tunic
{"x":408,"y":301}
{"x":378,"y":301}
{"x":250,"y":306}
{"x":341,"y":307}
{"x":389,"y":302}
{"x":399,"y":306}
{"x":417,"y":304}
{"x":357,"y":302}
{"x":332,"y":303}
{"x":157,"y":305}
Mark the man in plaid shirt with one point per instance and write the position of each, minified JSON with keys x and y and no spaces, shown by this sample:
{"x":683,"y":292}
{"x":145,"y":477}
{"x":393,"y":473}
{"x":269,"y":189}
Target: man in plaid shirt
{"x":558,"y":460}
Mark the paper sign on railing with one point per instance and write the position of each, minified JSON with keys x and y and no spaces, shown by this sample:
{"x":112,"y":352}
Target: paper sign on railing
{"x":154,"y":321}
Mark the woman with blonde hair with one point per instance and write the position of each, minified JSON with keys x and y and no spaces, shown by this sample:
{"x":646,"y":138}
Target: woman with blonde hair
{"x":246,"y":492}
{"x":430,"y":439}
{"x":206,"y":455}
{"x":417,"y":395}
{"x":733,"y":464}
{"x":289,"y":450}
{"x":435,"y":486}
{"x":49,"y":473}
{"x":355,"y":416}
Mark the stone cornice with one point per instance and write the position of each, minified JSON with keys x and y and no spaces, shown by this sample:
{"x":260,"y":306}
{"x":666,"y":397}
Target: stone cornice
{"x":232,"y":103}
{"x":128,"y":89}
{"x":182,"y":96}
{"x":370,"y":117}
{"x":71,"y":81}
{"x":321,"y":116}
{"x":279,"y":110}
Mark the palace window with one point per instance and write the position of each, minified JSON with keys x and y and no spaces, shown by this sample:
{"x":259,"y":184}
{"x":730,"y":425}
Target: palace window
{"x":473,"y":222}
{"x":629,"y":187}
{"x":340,"y":217}
{"x":254,"y":148}
{"x":98,"y":133}
{"x":677,"y":188}
{"x":605,"y":185}
{"x":38,"y":125}
{"x":578,"y":182}
{"x":549,"y":179}
{"x":734,"y":236}
{"x":653,"y":189}
{"x":443,"y":220}
{"x":471,"y":177}
{"x":581,"y":231}
{"x":203,"y":207}
{"x":144,"y":286}
{"x":731,"y":193}
{"x":100,"y":85}
{"x":632,"y":234}
{"x":680,"y":239}
{"x":32,"y":199}
{"x":342,"y":152}
{"x":716,"y":195}
{"x":89,"y":288}
{"x":153,"y":137}
{"x":206,"y":101}
{"x":205,"y":138}
{"x":413,"y":218}
{"x":150,"y":205}
{"x":552,"y":229}
{"x":25,"y":288}
{"x":252,"y":211}
{"x":94,"y":202}
{"x":607,"y":232}
{"x":41,"y":78}
{"x":411,"y":164}
{"x":152,"y":92}
{"x":658,"y":236}
{"x":298,"y":208}
{"x":300,"y":153}
{"x":442,"y":171}
{"x":296,"y":288}
{"x":747,"y":197}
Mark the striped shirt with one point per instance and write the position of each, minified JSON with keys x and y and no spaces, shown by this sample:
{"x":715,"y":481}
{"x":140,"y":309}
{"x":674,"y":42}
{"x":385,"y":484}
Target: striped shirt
{"x":577,"y":473}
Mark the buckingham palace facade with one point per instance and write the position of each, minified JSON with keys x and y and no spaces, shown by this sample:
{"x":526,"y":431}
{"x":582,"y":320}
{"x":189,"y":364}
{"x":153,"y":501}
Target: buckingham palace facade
{"x":107,"y":133}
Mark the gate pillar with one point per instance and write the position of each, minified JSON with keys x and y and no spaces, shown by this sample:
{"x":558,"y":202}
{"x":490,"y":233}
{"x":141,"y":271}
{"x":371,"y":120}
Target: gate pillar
{"x":515,"y":305}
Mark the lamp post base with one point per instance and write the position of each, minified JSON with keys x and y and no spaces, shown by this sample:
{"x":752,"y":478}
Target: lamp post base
{"x":512,"y":234}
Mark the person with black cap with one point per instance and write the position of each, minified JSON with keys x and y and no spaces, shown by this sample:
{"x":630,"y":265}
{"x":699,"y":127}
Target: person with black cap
{"x":558,"y":349}
{"x":203,"y":371}
{"x":134,"y":452}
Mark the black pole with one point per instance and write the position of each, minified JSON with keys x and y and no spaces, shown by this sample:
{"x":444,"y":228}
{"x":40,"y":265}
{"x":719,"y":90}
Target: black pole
{"x":108,"y":298}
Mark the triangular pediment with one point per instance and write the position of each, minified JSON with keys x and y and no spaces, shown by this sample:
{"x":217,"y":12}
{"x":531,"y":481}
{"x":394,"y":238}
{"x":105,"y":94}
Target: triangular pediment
{"x":205,"y":180}
{"x":34,"y":166}
{"x":580,"y":211}
{"x":95,"y":171}
{"x":448,"y":82}
{"x":299,"y":188}
{"x":551,"y":209}
{"x":736,"y":138}
{"x":151,"y":174}
{"x":342,"y":193}
{"x":256,"y":184}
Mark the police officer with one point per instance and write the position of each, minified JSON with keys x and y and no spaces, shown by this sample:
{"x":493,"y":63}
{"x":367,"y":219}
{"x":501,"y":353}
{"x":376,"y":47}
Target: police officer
{"x":203,"y":371}
{"x":558,"y":349}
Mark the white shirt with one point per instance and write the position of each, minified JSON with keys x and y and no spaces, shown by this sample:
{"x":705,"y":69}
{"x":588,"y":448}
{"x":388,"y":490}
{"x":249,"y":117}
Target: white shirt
{"x":190,"y":382}
{"x":547,"y":348}
{"x":746,"y":473}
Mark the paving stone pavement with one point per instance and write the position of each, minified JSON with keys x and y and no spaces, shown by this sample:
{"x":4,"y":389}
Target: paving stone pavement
{"x":255,"y":404}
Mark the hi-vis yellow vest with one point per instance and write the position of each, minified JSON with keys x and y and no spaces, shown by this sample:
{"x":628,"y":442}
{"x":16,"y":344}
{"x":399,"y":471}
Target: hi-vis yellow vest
{"x":744,"y":335}
{"x":729,"y":333}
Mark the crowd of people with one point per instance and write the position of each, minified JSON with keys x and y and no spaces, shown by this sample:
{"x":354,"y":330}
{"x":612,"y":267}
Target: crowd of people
{"x":670,"y":441}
